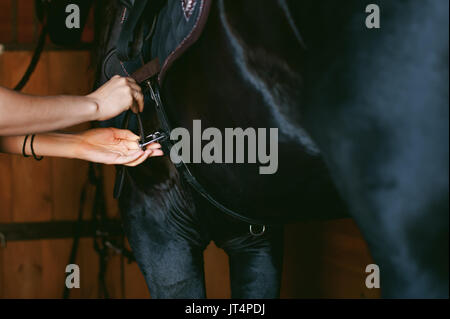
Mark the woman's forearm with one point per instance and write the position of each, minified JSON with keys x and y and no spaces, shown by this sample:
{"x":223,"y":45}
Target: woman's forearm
{"x":22,"y":114}
{"x":100,"y":145}
{"x":49,"y":144}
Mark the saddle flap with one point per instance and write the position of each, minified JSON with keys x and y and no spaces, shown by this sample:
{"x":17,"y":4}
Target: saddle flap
{"x":179,"y":25}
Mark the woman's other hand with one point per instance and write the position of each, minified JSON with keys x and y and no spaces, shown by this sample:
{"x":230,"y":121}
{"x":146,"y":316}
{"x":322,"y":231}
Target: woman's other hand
{"x":113,"y":146}
{"x":116,"y":96}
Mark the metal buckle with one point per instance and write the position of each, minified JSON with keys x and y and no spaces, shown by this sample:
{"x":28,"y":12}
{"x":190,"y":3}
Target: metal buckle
{"x":152,"y":138}
{"x":152,"y":92}
{"x":263,"y":230}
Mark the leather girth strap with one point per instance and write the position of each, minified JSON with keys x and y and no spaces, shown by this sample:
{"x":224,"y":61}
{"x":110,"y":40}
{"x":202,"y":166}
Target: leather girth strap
{"x":148,"y":71}
{"x":145,"y":73}
{"x":146,"y":76}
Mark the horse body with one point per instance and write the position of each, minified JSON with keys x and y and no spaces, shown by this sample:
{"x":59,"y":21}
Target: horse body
{"x":388,"y":151}
{"x":230,"y":85}
{"x":373,"y":102}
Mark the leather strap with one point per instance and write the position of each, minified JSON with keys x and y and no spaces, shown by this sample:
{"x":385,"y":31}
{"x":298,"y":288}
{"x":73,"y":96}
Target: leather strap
{"x":186,"y":173}
{"x":143,"y":74}
{"x":181,"y":167}
{"x":148,"y":71}
{"x":147,"y":75}
{"x":134,"y":12}
{"x":121,"y":169}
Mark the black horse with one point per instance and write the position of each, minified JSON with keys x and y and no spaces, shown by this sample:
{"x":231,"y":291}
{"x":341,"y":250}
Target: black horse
{"x":362,"y":116}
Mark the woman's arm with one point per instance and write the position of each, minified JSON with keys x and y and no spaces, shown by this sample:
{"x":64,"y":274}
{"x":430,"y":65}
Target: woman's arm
{"x":102,"y":145}
{"x":22,"y":114}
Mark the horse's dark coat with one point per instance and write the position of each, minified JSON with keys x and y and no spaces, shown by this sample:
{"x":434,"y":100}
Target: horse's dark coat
{"x":377,"y":106}
{"x":234,"y":93}
{"x":374,"y":102}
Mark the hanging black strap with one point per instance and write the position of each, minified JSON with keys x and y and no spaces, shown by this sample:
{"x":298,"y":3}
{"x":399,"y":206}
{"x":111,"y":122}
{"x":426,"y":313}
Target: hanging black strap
{"x":133,"y":14}
{"x":186,"y":173}
{"x":35,"y":59}
{"x":147,"y":74}
{"x":121,"y":169}
{"x":160,"y":111}
{"x":182,"y":168}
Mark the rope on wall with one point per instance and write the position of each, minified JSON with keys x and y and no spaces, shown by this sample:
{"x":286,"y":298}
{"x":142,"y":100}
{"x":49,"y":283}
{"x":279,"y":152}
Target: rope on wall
{"x":41,"y":12}
{"x":34,"y":59}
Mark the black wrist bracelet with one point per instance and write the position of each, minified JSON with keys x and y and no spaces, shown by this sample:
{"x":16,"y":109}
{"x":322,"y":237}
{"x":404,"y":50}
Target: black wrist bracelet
{"x":37,"y":158}
{"x":24,"y":146}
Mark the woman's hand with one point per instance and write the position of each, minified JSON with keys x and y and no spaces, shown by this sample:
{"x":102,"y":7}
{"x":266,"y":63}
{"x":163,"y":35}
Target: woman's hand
{"x":113,"y":146}
{"x":117,"y":95}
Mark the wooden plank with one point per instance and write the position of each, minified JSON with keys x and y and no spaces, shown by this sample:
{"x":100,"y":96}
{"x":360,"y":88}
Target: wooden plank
{"x":109,"y":177}
{"x":5,"y":21}
{"x":217,"y":273}
{"x":5,"y":189}
{"x":31,"y":187}
{"x":55,"y":256}
{"x":47,"y":190}
{"x":118,"y":266}
{"x":30,"y":193}
{"x":87,"y":260}
{"x":69,"y":72}
{"x":23,"y":268}
{"x":66,"y":191}
{"x":325,"y":260}
{"x":88,"y":32}
{"x":5,"y":208}
{"x":25,"y":21}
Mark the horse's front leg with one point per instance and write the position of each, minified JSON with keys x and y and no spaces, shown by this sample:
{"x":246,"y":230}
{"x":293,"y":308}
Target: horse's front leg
{"x":255,"y":258}
{"x":256,"y":262}
{"x":166,"y":242}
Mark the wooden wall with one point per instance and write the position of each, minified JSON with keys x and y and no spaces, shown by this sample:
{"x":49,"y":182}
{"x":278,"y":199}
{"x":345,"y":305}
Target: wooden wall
{"x":47,"y":190}
{"x":322,"y":259}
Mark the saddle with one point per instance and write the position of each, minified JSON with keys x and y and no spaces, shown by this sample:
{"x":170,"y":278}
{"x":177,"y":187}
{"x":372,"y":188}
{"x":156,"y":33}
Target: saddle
{"x":155,"y":31}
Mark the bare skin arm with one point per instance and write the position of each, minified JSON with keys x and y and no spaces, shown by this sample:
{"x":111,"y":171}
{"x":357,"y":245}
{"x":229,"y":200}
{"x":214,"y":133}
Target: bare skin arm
{"x":102,"y":145}
{"x":23,"y":114}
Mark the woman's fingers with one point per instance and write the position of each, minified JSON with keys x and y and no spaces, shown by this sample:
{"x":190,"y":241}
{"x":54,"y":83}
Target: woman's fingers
{"x":138,"y":102}
{"x":137,"y":157}
{"x":131,"y":145}
{"x":138,"y":97}
{"x":148,"y":153}
{"x":131,"y":140}
{"x":157,"y":153}
{"x":131,"y":80}
{"x":125,"y":135}
{"x":135,"y":86}
{"x":140,"y":159}
{"x":154,"y":146}
{"x":123,"y":159}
